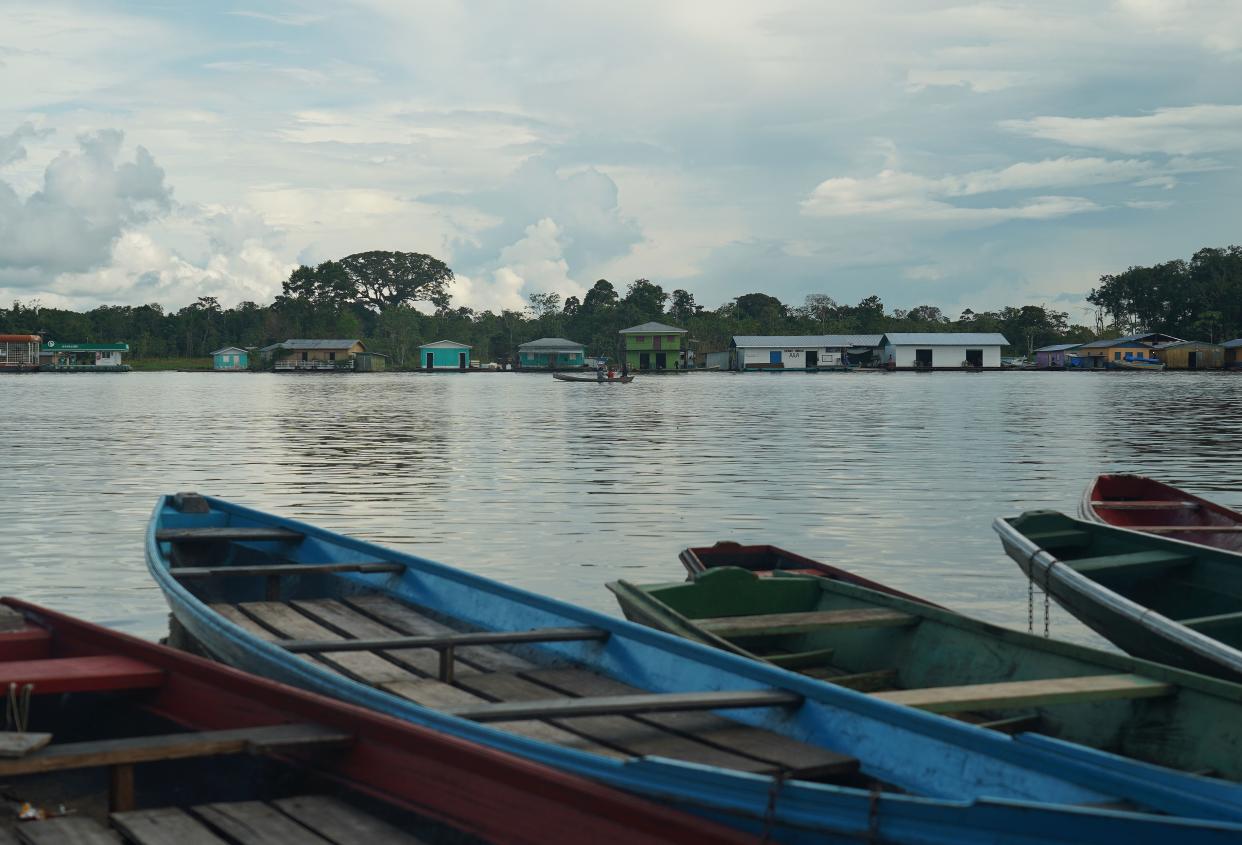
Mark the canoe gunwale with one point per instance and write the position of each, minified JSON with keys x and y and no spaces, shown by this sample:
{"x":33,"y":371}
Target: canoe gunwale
{"x":1032,"y":558}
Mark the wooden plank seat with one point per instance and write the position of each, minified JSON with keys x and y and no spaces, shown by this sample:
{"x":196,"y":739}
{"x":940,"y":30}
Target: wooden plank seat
{"x":1218,"y":620}
{"x":66,"y":830}
{"x":1146,"y":505}
{"x":227,"y":533}
{"x":768,"y":624}
{"x":614,"y":705}
{"x":1040,"y":693}
{"x":147,"y":749}
{"x":1133,"y":563}
{"x":25,"y":644}
{"x":1061,"y":539}
{"x":800,"y":660}
{"x":282,"y":569}
{"x":80,"y":674}
{"x":163,"y":826}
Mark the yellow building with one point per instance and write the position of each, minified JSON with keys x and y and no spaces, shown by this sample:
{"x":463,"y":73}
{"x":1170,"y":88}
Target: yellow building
{"x":1099,"y":354}
{"x":1191,"y":355}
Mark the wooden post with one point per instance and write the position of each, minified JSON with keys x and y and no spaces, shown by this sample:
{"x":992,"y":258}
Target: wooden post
{"x":121,"y":788}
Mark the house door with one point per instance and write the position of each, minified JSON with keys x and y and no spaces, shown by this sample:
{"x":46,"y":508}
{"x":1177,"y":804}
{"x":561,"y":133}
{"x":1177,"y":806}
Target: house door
{"x":1192,"y":360}
{"x":644,"y":361}
{"x":974,"y":357}
{"x":661,"y":361}
{"x":812,"y":359}
{"x":431,"y":360}
{"x":922,"y":357}
{"x":304,"y":356}
{"x":461,"y":360}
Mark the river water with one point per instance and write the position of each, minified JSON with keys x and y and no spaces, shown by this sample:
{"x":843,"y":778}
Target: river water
{"x":561,"y":487}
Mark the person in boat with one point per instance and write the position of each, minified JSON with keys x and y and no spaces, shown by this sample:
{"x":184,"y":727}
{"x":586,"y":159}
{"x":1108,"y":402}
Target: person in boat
{"x":625,"y":368}
{"x":611,"y":373}
{"x":599,"y":372}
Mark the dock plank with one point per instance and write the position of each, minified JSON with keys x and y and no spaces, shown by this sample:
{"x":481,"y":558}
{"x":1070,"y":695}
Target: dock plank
{"x":1041,"y":693}
{"x":359,"y":665}
{"x":633,"y":736}
{"x":255,"y":823}
{"x":796,"y":623}
{"x":784,"y":753}
{"x":342,"y":824}
{"x":66,"y":830}
{"x":409,"y":621}
{"x":164,"y":826}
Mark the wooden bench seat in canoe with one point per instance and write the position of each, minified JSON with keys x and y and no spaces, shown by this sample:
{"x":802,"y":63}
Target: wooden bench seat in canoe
{"x":796,"y":623}
{"x":80,"y":674}
{"x":1041,"y":693}
{"x":1219,"y":620}
{"x":1131,"y":563}
{"x":282,"y":569}
{"x":1061,"y":539}
{"x":1146,"y":505}
{"x":227,"y":533}
{"x":618,"y":705}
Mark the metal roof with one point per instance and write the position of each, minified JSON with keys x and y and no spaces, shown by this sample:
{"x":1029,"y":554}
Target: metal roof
{"x":227,"y":349}
{"x":298,"y":343}
{"x":1128,"y":340}
{"x":446,"y":344}
{"x":1232,"y":344}
{"x":1058,"y":347}
{"x":58,"y":346}
{"x":552,"y":343}
{"x":652,"y":328}
{"x":946,"y":339}
{"x":825,"y":340}
{"x":1184,"y":343}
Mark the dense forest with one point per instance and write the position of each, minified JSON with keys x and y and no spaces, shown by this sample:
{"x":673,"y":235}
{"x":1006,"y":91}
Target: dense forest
{"x":373,"y":296}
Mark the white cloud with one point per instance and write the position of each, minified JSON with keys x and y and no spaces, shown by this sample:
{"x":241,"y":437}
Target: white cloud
{"x":979,"y":81}
{"x":533,"y":264}
{"x":12,"y":147}
{"x":1184,"y":130}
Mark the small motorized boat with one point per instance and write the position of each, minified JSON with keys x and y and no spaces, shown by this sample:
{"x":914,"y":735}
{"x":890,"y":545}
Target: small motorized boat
{"x":927,"y":657}
{"x":765,"y":560}
{"x":1131,"y":363}
{"x":763,"y":750}
{"x":1144,"y":504}
{"x":1161,"y":599}
{"x":109,"y":731}
{"x":618,"y":379}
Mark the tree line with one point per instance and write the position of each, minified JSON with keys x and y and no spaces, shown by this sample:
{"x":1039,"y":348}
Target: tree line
{"x":373,"y":296}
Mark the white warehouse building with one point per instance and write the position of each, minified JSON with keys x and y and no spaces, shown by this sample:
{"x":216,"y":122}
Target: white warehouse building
{"x":799,"y":352}
{"x":942,"y":350}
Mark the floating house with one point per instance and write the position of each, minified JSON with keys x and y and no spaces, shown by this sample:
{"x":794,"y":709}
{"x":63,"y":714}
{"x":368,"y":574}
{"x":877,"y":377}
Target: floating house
{"x":55,"y":356}
{"x":1099,"y":354}
{"x":942,"y":350}
{"x":1191,"y":355}
{"x":1055,"y":356}
{"x":230,"y":358}
{"x":444,"y":355}
{"x":801,"y":352}
{"x":19,"y":353}
{"x":656,"y":346}
{"x":551,"y":353}
{"x":313,"y":355}
{"x":1233,"y":353}
{"x":370,"y":362}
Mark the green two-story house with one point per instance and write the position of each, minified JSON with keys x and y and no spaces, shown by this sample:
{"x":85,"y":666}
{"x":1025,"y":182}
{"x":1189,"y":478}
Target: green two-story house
{"x":656,"y":346}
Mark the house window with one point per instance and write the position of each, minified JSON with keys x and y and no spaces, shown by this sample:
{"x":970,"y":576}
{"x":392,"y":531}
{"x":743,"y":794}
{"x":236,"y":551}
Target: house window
{"x":1116,"y":356}
{"x":671,"y":338}
{"x":331,"y":356}
{"x":642,"y":338}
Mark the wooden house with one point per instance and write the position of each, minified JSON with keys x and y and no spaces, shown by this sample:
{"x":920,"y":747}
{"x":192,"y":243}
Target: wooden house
{"x":312,"y":355}
{"x":444,"y":355}
{"x":1055,"y":356}
{"x":1191,"y":355}
{"x":656,"y":346}
{"x":1233,"y":353}
{"x":19,"y":352}
{"x":1100,"y":354}
{"x":551,"y":353}
{"x":230,"y":358}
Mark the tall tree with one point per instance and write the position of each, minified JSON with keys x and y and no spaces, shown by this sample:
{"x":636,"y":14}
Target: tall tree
{"x":646,"y":298}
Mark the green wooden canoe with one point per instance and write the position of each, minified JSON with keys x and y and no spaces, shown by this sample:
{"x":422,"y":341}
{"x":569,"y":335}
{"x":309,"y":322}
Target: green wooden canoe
{"x":938,"y":660}
{"x":1155,"y":597}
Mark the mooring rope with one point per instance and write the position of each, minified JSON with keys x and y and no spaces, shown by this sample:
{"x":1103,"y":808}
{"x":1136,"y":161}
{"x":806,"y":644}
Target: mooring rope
{"x":17,"y":712}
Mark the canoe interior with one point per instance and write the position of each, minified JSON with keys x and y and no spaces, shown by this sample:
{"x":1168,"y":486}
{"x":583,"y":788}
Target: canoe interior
{"x":1179,"y":719}
{"x":1144,"y":504}
{"x":1197,"y":586}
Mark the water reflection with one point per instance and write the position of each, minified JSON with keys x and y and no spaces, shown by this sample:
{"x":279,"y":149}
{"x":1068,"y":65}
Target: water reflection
{"x":560,"y":487}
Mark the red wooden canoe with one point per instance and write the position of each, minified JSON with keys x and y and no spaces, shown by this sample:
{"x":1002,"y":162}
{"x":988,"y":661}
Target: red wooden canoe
{"x":765,"y":559}
{"x":173,"y":741}
{"x":1144,"y":504}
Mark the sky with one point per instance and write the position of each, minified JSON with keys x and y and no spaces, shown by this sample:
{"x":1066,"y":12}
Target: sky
{"x":964,"y":155}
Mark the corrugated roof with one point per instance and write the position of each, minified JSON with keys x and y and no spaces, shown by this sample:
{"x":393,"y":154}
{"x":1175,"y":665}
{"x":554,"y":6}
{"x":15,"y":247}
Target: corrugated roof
{"x":825,"y":340}
{"x":1183,"y":343}
{"x":652,"y":328}
{"x":1232,"y":344}
{"x":1058,"y":347}
{"x":227,"y":349}
{"x":552,"y":343}
{"x":1128,"y":340}
{"x":298,"y":343}
{"x":446,"y":344}
{"x":946,"y":338}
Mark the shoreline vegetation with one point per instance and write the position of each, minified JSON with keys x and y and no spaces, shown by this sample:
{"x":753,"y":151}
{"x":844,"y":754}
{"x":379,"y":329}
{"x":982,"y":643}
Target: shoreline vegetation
{"x":394,"y":301}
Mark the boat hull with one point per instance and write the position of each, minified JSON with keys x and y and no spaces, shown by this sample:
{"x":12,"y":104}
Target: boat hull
{"x":593,"y":380}
{"x":1144,"y":504}
{"x":971,"y":785}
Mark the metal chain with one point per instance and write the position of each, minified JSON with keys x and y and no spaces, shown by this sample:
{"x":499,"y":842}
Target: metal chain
{"x":1030,"y":606}
{"x":769,"y":815}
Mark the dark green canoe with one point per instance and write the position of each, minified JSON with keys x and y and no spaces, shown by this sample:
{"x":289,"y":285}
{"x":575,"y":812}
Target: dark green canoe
{"x":1162,"y":599}
{"x":941,"y":661}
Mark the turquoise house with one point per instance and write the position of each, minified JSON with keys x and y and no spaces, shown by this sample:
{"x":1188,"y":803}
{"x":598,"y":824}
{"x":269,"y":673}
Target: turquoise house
{"x":444,"y":355}
{"x":551,"y":353}
{"x":230,"y":358}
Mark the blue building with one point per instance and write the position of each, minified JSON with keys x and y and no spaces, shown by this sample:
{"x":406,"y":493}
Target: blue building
{"x":230,"y":358}
{"x":444,"y":355}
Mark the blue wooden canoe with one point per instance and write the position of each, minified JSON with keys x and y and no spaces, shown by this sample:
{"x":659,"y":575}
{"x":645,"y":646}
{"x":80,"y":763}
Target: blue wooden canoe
{"x":754,"y":746}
